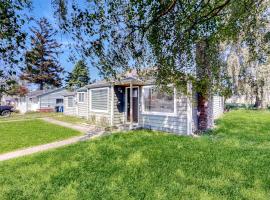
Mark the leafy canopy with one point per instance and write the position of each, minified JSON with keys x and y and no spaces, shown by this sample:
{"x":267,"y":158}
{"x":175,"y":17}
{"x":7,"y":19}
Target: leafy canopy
{"x":117,"y":35}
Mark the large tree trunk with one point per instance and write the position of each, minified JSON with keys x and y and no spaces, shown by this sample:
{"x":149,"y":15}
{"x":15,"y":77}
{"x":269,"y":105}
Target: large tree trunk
{"x":258,"y":97}
{"x":204,"y":79}
{"x":203,"y":112}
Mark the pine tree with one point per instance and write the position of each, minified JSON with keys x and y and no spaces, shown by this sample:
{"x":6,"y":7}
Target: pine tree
{"x":79,"y":77}
{"x":42,"y":65}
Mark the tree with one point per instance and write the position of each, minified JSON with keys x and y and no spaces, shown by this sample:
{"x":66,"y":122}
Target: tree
{"x":248,"y":63}
{"x":12,"y":37}
{"x":7,"y":83}
{"x":42,"y":65}
{"x":12,"y":40}
{"x":79,"y":77}
{"x":180,"y":39}
{"x":10,"y":85}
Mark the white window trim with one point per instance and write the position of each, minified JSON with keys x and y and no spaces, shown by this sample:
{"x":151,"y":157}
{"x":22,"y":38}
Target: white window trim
{"x":83,"y":97}
{"x":126,"y":99}
{"x":73,"y":98}
{"x":90,"y":99}
{"x":159,"y":113}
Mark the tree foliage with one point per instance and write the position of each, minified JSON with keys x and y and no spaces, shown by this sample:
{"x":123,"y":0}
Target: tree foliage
{"x":79,"y":77}
{"x":122,"y":34}
{"x":42,"y":65}
{"x":12,"y":37}
{"x":12,"y":40}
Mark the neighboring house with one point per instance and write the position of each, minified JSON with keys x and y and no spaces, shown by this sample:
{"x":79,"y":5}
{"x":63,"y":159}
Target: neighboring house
{"x":9,"y":100}
{"x":42,"y":100}
{"x":70,"y":107}
{"x":132,"y":103}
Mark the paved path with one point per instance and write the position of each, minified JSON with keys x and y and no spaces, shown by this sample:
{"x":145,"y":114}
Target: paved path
{"x":44,"y":147}
{"x":90,"y":132}
{"x":79,"y":127}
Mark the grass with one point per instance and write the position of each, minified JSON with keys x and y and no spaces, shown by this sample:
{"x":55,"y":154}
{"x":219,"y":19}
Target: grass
{"x":69,"y":119}
{"x":35,"y":115}
{"x":27,"y":116}
{"x":231,"y":163}
{"x":20,"y":134}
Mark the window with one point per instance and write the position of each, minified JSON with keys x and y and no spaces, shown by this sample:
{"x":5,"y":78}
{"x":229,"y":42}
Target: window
{"x":157,"y":102}
{"x":81,"y":97}
{"x":70,"y":101}
{"x":99,"y":100}
{"x":59,"y":101}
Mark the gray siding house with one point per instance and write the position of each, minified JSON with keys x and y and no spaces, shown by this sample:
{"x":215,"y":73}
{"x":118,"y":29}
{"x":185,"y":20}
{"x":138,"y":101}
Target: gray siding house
{"x":42,"y":100}
{"x":132,"y":103}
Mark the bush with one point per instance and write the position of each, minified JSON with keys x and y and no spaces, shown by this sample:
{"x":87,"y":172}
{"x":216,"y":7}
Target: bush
{"x":237,"y":106}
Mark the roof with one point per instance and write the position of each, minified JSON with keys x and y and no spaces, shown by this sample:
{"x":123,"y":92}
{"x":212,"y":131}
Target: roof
{"x":101,"y":83}
{"x":82,"y":89}
{"x":69,"y":94}
{"x":39,"y":93}
{"x":105,"y":83}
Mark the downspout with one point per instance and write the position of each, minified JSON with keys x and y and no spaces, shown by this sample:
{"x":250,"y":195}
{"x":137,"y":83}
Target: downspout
{"x":112,"y":104}
{"x":131,"y":105}
{"x":88,"y":104}
{"x":189,"y":108}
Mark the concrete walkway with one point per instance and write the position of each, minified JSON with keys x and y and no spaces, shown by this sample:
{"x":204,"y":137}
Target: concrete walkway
{"x":44,"y":147}
{"x":90,"y":132}
{"x":79,"y":127}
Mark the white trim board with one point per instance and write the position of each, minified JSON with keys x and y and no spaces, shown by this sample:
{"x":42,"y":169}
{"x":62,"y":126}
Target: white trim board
{"x":126,"y":122}
{"x":174,"y":114}
{"x":108,"y":100}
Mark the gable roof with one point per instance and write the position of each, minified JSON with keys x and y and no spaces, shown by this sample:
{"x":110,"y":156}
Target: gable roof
{"x":39,"y":93}
{"x":105,"y":83}
{"x":69,"y":94}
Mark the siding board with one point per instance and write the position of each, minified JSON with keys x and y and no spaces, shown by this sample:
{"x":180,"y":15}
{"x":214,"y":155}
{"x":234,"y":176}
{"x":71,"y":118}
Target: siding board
{"x":176,"y":124}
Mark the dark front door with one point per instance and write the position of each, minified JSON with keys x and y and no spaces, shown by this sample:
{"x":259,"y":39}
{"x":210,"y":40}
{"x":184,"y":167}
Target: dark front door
{"x":135,"y":106}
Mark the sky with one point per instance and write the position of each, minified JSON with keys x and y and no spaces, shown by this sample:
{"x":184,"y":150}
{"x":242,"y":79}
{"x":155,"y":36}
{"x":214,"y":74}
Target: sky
{"x":42,"y":8}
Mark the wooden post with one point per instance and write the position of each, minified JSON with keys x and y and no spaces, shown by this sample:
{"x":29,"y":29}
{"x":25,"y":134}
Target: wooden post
{"x":131,"y":105}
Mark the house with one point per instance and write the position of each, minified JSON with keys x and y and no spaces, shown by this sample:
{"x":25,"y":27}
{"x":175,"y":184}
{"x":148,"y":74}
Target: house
{"x":132,"y":103}
{"x":42,"y":100}
{"x":9,"y":100}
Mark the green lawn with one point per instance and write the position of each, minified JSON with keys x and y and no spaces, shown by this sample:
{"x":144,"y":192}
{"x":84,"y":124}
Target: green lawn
{"x":28,"y":116}
{"x":69,"y":119}
{"x":233,"y":162}
{"x":36,"y":115}
{"x":20,"y":134}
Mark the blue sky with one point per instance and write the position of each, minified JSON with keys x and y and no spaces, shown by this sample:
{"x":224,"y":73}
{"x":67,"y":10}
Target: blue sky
{"x":42,"y":8}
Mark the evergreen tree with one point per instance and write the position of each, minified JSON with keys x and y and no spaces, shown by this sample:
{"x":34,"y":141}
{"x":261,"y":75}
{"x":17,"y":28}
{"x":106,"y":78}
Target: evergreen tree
{"x":42,"y":65}
{"x":79,"y":77}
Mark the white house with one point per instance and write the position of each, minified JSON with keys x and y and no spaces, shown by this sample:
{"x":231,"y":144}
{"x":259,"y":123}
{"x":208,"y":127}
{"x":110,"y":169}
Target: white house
{"x":42,"y":100}
{"x":133,"y":103}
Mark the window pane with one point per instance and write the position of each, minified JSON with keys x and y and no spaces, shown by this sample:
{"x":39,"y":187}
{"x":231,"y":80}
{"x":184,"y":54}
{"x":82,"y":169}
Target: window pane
{"x":59,"y":101}
{"x":155,"y":101}
{"x":70,"y":101}
{"x":99,"y":99}
{"x":81,"y":97}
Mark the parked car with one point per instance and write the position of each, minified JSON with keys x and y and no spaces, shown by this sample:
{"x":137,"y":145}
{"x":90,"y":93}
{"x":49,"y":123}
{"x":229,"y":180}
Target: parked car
{"x":5,"y":111}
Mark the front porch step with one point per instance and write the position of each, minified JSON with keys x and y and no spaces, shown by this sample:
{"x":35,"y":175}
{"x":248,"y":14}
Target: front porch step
{"x":127,"y":127}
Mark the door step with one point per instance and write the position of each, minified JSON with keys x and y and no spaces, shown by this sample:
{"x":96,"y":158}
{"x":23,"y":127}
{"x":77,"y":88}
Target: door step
{"x":128,"y":127}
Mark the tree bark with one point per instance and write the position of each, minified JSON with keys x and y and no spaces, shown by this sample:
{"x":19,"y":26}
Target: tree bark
{"x":203,"y":80}
{"x":203,"y":112}
{"x":258,"y":97}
